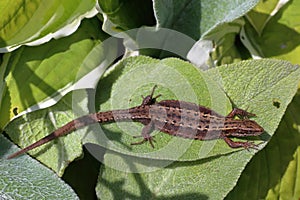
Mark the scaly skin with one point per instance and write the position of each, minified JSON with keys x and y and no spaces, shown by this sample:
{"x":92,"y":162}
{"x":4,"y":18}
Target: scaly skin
{"x":173,"y":117}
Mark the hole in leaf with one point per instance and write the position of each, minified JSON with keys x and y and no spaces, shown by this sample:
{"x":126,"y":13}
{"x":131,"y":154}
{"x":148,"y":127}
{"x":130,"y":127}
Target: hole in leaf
{"x":276,"y":103}
{"x":15,"y":111}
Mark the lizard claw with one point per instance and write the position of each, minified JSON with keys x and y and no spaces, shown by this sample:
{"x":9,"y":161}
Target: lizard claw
{"x":149,"y":139}
{"x":250,"y":145}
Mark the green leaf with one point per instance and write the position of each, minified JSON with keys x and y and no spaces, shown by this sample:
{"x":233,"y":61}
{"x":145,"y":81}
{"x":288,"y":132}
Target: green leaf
{"x":275,"y":35}
{"x":25,"y":178}
{"x":180,"y":80}
{"x":36,"y":22}
{"x":209,"y":178}
{"x":263,"y":87}
{"x":33,"y":126}
{"x":49,"y":71}
{"x":122,"y":88}
{"x":274,"y":172}
{"x":198,"y":18}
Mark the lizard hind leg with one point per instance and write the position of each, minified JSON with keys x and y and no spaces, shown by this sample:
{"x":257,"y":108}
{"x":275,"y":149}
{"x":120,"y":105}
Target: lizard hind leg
{"x":247,"y":145}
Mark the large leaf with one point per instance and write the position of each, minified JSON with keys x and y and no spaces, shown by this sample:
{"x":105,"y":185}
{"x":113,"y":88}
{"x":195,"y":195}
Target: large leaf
{"x":25,"y":178}
{"x":123,"y":86}
{"x":198,"y":18}
{"x":35,"y":74}
{"x":203,"y":179}
{"x":36,"y":22}
{"x":182,"y":81}
{"x":274,"y":172}
{"x":264,"y":87}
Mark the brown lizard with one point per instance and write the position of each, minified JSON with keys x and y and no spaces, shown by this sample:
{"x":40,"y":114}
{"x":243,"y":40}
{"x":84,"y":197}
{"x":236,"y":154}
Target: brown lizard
{"x":173,"y":117}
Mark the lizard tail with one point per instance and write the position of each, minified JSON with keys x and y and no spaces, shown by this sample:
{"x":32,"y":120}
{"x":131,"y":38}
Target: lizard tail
{"x":64,"y":130}
{"x":34,"y":145}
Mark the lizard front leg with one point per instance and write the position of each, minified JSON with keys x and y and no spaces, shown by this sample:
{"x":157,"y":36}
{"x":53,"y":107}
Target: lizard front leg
{"x":146,"y":135}
{"x":240,"y":113}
